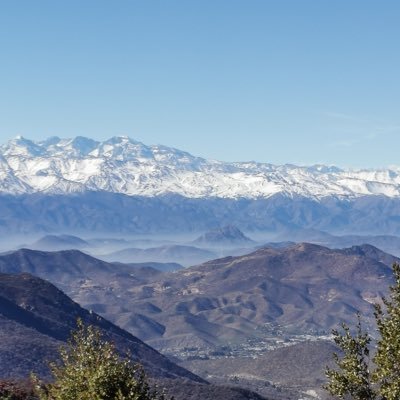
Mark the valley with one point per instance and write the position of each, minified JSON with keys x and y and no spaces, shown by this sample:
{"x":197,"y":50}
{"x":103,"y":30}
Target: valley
{"x":235,"y":310}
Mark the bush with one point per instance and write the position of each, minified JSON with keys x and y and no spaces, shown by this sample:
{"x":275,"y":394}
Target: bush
{"x":359,"y":376}
{"x":91,"y":369}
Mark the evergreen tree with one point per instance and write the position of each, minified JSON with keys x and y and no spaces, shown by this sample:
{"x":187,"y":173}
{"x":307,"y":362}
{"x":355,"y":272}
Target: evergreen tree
{"x":91,"y":369}
{"x":352,"y":377}
{"x":387,"y":356}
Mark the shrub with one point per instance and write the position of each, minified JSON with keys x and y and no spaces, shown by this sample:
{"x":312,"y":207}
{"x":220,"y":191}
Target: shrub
{"x":91,"y":369}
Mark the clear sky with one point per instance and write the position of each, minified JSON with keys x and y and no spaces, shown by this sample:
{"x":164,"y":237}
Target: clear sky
{"x":281,"y":81}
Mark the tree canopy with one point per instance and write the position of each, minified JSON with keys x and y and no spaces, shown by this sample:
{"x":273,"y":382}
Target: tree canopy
{"x":91,"y":369}
{"x":359,"y":376}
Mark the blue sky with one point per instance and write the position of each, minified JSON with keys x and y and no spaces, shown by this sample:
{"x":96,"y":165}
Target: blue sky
{"x":278,"y":81}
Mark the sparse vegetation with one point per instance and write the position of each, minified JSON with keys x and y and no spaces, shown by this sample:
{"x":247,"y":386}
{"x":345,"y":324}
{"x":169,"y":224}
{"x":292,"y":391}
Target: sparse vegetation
{"x":16,"y":390}
{"x":354,"y":377}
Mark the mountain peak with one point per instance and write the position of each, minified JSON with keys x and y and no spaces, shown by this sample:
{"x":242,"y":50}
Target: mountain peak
{"x":20,"y":146}
{"x":308,"y":247}
{"x":83,"y":144}
{"x":122,"y":139}
{"x":224,"y":236}
{"x":122,"y":148}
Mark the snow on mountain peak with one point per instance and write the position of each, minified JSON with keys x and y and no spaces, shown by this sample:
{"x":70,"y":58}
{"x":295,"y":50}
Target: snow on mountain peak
{"x":124,"y":165}
{"x":21,"y":147}
{"x":76,"y":147}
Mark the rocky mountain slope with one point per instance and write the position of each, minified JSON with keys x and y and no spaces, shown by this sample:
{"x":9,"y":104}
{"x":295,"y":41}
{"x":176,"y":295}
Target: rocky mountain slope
{"x":240,"y":301}
{"x":232,"y":305}
{"x":36,"y":318}
{"x":98,"y":285}
{"x":34,"y":308}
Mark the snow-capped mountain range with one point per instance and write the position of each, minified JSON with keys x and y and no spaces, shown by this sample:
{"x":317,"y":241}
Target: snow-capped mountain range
{"x":125,"y":166}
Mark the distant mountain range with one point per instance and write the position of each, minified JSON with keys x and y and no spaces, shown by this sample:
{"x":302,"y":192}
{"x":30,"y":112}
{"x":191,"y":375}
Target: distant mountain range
{"x":121,"y":185}
{"x":59,"y":242}
{"x":184,"y":255}
{"x":123,"y":165}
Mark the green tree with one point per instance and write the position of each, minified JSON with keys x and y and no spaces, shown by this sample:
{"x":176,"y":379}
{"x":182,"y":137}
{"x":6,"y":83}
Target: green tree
{"x":387,"y":356}
{"x":353,"y":378}
{"x":91,"y":369}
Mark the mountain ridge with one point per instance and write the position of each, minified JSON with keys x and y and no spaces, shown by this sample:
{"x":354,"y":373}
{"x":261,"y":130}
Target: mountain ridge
{"x":299,"y":289}
{"x":105,"y":212}
{"x":37,"y":304}
{"x":123,"y":165}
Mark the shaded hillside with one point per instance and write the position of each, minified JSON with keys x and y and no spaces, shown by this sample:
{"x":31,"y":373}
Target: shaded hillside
{"x":67,"y":267}
{"x":98,"y":285}
{"x":33,"y":308}
{"x":107,"y":212}
{"x":36,"y":318}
